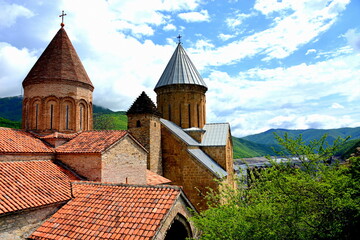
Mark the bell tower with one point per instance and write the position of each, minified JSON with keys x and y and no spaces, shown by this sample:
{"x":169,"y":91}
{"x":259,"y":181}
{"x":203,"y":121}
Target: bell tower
{"x":57,"y":90}
{"x":181,"y":92}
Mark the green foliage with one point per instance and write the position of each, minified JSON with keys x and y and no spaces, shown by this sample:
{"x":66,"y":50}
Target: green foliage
{"x":9,"y":124}
{"x":11,"y":108}
{"x":110,"y":121}
{"x":315,"y":201}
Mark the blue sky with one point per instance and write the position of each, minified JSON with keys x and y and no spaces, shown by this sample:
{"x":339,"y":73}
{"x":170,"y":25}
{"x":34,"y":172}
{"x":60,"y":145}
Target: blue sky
{"x":291,"y":64}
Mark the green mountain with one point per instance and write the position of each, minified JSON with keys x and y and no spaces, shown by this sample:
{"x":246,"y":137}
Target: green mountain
{"x":308,"y":134}
{"x":10,"y":108}
{"x":247,"y":149}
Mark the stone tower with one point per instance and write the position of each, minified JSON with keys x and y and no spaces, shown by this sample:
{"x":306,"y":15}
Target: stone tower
{"x":144,"y":124}
{"x":181,"y":92}
{"x":57,"y":90}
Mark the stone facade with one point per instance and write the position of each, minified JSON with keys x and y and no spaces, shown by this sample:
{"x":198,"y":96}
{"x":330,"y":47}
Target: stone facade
{"x":68,"y":108}
{"x":183,"y":170}
{"x":183,"y":104}
{"x":124,"y":162}
{"x":146,"y":128}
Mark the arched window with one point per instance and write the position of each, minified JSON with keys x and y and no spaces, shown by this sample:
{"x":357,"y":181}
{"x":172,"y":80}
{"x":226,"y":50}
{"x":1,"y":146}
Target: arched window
{"x":138,"y":123}
{"x":169,"y":112}
{"x":180,"y":115}
{"x":36,"y":115}
{"x":198,"y":115}
{"x":51,"y":116}
{"x":189,"y":112}
{"x":67,"y":117}
{"x":82,"y":117}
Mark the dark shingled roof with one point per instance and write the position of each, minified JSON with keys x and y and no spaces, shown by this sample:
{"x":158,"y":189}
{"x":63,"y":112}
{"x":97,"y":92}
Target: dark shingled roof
{"x":59,"y":62}
{"x":143,"y":104}
{"x":180,"y":70}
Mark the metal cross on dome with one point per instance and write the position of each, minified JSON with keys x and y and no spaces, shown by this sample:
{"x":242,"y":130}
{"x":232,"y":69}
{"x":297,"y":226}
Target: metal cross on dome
{"x":62,"y":18}
{"x":179,"y":37}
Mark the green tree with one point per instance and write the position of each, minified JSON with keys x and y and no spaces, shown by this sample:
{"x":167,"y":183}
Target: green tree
{"x":313,"y":200}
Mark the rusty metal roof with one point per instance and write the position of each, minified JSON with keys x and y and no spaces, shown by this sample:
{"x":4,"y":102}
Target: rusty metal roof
{"x":180,"y":70}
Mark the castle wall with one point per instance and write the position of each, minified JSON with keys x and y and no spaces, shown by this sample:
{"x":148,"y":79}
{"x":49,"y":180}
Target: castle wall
{"x":125,"y":162}
{"x":183,"y":170}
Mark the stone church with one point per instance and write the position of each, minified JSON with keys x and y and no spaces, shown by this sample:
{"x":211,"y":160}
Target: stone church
{"x":62,"y":180}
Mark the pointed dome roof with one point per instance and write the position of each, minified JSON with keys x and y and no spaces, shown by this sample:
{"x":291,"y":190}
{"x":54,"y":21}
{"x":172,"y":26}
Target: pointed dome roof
{"x":143,"y":104}
{"x":59,"y":62}
{"x":180,"y":70}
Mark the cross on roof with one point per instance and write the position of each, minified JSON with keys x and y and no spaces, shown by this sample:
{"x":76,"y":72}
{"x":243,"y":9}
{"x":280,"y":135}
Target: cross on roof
{"x":179,"y":37}
{"x":62,"y":18}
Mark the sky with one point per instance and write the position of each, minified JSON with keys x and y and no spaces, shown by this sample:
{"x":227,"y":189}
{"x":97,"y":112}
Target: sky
{"x":292,"y":64}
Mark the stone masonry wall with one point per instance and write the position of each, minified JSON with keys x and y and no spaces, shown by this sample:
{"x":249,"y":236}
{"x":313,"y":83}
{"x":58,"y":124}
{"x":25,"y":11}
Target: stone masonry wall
{"x":20,"y":225}
{"x":39,"y":97}
{"x":125,"y":162}
{"x":183,"y":170}
{"x":85,"y":164}
{"x":185,"y":105}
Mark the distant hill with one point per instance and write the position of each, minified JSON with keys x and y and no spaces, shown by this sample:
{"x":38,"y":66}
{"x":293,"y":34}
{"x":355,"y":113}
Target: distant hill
{"x":308,"y":134}
{"x":11,"y":108}
{"x":247,"y":149}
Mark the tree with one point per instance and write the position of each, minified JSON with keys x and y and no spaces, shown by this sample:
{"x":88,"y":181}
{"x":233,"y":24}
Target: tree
{"x":312,"y":200}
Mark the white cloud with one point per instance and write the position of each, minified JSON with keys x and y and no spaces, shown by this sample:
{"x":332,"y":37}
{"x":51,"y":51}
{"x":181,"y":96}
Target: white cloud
{"x":258,"y":95}
{"x":169,"y":27}
{"x":14,"y":65}
{"x":337,"y":106}
{"x":225,"y":37}
{"x":307,"y":19}
{"x":10,"y":12}
{"x":234,"y":22}
{"x":202,"y":16}
{"x":310,"y":51}
{"x":353,"y":38}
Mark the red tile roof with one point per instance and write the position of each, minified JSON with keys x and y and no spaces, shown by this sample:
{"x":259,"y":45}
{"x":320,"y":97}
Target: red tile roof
{"x":59,"y":62}
{"x":19,"y":141}
{"x":29,"y":184}
{"x":91,"y":141}
{"x":155,"y":179}
{"x":56,"y":135}
{"x":104,"y":211}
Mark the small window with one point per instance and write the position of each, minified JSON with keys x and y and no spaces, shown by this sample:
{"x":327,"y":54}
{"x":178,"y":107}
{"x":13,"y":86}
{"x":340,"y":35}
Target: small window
{"x":138,"y":123}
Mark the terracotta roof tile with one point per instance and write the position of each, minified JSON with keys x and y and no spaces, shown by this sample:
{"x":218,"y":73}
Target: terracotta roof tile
{"x":29,"y":184}
{"x":19,"y":141}
{"x":110,"y":212}
{"x":59,"y":62}
{"x":155,"y":179}
{"x":56,"y":135}
{"x":91,"y":141}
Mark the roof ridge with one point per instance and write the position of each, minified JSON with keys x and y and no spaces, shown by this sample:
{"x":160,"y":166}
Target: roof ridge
{"x":127,"y":185}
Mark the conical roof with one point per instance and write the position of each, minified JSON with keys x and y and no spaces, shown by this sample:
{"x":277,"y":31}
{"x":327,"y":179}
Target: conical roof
{"x":143,"y":104}
{"x":59,"y":62}
{"x":180,"y":70}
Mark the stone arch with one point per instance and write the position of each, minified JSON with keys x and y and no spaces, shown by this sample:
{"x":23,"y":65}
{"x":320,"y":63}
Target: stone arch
{"x":52,"y":113}
{"x":83,"y":116}
{"x":179,"y":229}
{"x":34,"y":110}
{"x":67,"y":114}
